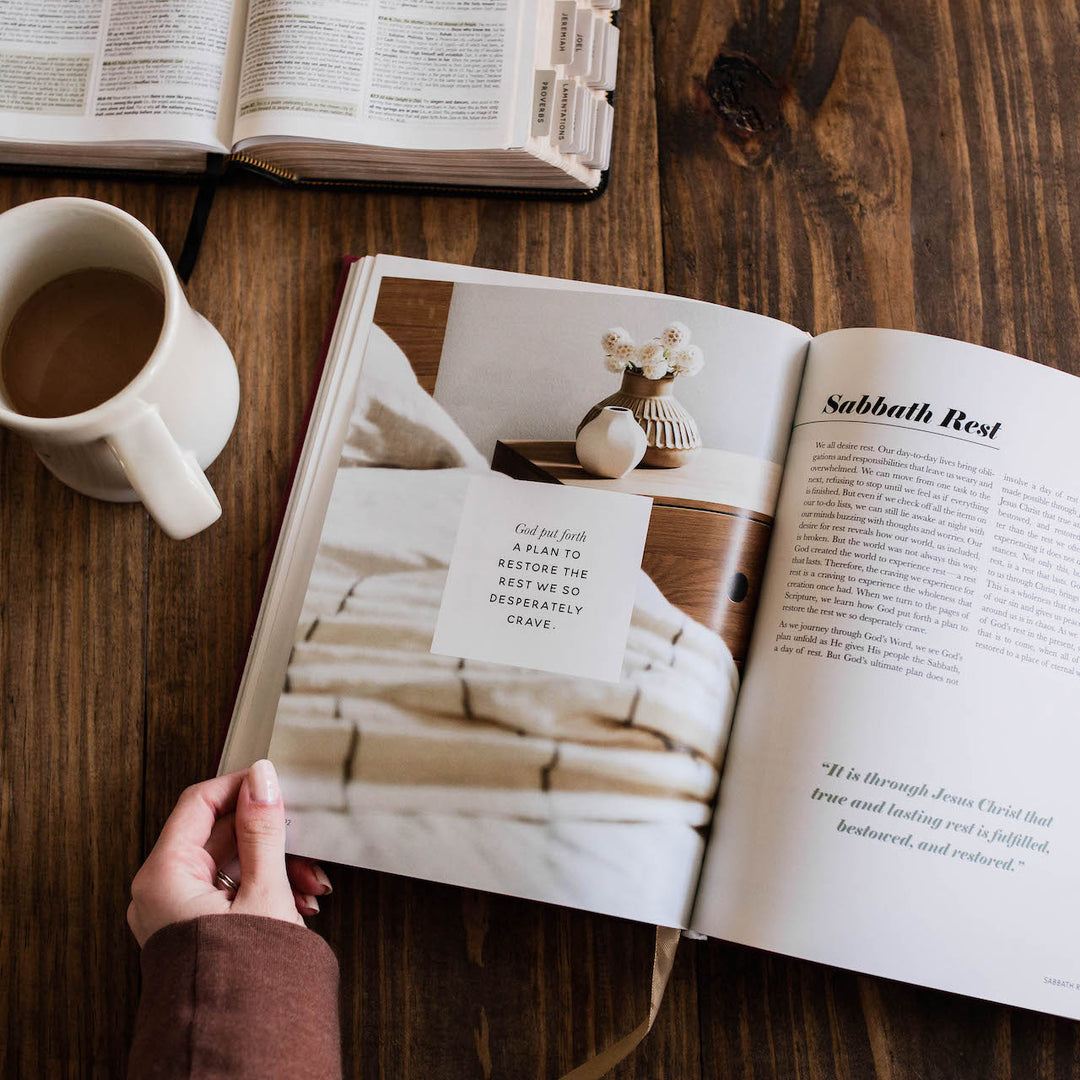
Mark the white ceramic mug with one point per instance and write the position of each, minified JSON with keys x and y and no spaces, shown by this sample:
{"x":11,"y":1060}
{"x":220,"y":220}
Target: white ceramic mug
{"x":151,"y":440}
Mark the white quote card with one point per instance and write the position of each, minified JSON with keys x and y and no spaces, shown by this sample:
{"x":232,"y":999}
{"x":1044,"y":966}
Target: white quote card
{"x":543,"y":576}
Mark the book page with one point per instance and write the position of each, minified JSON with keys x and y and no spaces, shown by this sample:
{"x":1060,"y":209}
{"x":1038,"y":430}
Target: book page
{"x":491,"y":758}
{"x":119,"y":70}
{"x":439,"y":74}
{"x":899,"y":797}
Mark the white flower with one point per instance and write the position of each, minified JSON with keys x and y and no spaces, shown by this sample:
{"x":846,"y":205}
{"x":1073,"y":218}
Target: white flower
{"x":687,"y":361}
{"x":655,"y":369}
{"x":651,"y":352}
{"x":624,"y":350}
{"x":615,"y":336}
{"x":675,"y":335}
{"x":615,"y":363}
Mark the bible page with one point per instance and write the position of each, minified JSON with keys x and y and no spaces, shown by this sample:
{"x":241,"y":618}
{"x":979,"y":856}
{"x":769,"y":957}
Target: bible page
{"x":899,"y":795}
{"x":422,"y":74}
{"x":88,"y":71}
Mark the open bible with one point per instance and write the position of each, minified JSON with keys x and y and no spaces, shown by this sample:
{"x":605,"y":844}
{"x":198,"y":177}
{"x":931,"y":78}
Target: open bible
{"x":486,"y":93}
{"x":808,"y":686}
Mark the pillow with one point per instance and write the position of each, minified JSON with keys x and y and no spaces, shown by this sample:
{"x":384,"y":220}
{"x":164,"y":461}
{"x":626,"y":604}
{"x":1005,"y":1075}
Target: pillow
{"x":395,"y":423}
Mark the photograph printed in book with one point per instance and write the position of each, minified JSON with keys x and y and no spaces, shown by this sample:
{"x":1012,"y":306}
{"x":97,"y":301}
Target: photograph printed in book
{"x":568,"y":789}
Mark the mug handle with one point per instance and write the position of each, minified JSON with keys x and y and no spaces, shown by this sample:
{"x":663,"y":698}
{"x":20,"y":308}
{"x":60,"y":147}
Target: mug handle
{"x":166,"y":477}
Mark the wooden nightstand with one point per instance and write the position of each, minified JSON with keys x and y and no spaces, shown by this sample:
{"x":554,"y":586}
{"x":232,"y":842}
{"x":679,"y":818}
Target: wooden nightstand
{"x":705,"y":556}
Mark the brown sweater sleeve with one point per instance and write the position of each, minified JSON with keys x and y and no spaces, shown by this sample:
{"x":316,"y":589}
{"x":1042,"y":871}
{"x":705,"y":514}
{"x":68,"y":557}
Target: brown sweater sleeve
{"x":237,"y":996}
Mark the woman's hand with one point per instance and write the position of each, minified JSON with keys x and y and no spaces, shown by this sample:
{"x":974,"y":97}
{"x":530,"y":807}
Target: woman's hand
{"x":239,"y":815}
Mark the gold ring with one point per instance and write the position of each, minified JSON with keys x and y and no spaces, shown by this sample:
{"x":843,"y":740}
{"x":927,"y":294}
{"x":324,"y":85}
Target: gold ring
{"x":223,"y":881}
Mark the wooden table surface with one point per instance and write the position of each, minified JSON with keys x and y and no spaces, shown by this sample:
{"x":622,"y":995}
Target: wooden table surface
{"x":912,"y":165}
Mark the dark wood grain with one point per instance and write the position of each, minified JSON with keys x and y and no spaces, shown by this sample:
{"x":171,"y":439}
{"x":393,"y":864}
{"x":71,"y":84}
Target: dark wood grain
{"x":912,"y":165}
{"x":901,"y":165}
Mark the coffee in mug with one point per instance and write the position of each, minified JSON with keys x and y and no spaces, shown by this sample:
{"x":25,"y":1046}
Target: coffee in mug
{"x":78,"y":340}
{"x":123,"y":390}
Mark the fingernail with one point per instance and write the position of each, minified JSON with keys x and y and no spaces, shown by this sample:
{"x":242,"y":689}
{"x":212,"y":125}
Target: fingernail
{"x":323,"y":880}
{"x":263,"y":783}
{"x":309,"y":905}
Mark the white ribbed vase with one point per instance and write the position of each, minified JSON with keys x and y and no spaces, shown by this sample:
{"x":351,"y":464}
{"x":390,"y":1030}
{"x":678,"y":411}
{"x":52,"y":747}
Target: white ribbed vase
{"x":611,"y":444}
{"x":670,"y":431}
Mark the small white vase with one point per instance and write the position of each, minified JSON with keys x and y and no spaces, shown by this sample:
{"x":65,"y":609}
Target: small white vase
{"x":611,"y":444}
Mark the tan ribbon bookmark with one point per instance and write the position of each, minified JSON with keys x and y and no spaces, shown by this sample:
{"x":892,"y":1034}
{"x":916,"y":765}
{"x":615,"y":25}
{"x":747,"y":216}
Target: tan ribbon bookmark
{"x":667,"y":941}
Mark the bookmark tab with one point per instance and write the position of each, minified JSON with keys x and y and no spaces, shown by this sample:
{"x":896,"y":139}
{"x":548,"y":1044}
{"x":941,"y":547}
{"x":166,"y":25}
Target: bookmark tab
{"x":611,"y":58}
{"x":543,"y":102}
{"x":584,"y":112}
{"x":562,"y":126}
{"x":584,"y":30}
{"x":562,"y":44}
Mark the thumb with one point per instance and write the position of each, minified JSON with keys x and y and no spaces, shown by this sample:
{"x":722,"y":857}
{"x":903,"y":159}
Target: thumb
{"x":260,"y":844}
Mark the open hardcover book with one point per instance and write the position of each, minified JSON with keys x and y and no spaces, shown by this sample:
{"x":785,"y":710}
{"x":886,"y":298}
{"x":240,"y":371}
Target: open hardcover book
{"x":810,"y":686}
{"x":493,"y":93}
